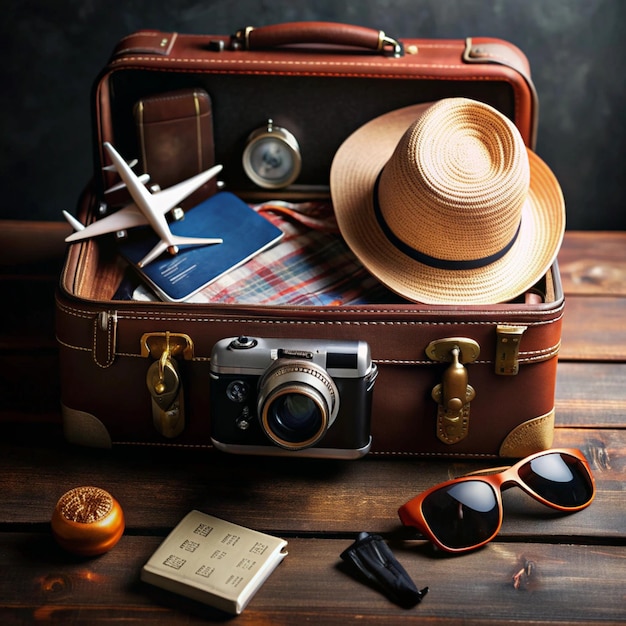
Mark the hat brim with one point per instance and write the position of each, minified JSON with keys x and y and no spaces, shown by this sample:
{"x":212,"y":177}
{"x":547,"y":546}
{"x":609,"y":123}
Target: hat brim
{"x":354,"y":170}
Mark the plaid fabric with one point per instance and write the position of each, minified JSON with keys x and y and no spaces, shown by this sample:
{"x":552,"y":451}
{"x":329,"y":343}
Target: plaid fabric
{"x":311,"y":265}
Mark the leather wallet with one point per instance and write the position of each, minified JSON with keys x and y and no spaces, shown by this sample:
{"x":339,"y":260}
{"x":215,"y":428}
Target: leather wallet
{"x":175,"y":133}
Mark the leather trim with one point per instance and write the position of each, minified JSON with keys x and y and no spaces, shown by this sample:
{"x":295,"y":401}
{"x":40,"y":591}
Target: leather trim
{"x":105,"y":338}
{"x":125,"y":340}
{"x":146,"y":42}
{"x":501,"y":53}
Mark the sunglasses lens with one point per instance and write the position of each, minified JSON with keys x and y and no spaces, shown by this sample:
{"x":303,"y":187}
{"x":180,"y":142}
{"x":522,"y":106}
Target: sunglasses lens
{"x":464,"y":514}
{"x":558,"y":478}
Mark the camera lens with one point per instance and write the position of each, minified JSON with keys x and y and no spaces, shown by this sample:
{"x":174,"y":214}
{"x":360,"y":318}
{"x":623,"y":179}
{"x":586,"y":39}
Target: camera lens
{"x":298,"y":402}
{"x":294,"y":411}
{"x":294,"y":418}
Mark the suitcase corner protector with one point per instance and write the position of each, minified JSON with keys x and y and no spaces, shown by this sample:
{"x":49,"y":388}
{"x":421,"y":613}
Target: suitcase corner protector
{"x":531,"y":436}
{"x":84,"y":429}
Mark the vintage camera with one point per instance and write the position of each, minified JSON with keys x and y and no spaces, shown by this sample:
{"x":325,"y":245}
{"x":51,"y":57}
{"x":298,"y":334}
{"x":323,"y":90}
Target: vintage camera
{"x":292,"y":396}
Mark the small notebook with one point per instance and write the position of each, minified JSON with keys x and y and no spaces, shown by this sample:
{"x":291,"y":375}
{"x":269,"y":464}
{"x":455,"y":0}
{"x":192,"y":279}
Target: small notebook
{"x":177,"y":278}
{"x":214,"y":561}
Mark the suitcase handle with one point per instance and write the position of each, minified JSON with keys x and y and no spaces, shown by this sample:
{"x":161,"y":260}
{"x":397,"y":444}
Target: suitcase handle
{"x":331,"y":33}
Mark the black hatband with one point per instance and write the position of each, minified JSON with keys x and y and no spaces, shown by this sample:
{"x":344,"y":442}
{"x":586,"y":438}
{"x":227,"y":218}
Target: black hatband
{"x":426,"y":259}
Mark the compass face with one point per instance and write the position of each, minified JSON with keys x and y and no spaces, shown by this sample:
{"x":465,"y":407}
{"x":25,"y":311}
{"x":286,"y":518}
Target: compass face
{"x":271,"y":158}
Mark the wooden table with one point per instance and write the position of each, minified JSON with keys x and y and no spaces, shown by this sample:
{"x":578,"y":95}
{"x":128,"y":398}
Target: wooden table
{"x":542,"y":568}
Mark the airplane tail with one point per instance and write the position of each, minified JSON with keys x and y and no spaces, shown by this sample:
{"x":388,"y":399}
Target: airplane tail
{"x":162,"y":246}
{"x":73,"y":222}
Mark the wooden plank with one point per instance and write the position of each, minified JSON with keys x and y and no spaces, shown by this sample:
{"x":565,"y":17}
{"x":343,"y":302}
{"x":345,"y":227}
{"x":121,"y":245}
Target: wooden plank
{"x":535,"y":583}
{"x":157,"y":487}
{"x":594,"y":263}
{"x":594,"y":329}
{"x":591,"y":395}
{"x":593,"y":272}
{"x":26,"y":243}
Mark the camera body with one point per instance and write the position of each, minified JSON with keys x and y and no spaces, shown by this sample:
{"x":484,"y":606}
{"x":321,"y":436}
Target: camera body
{"x":292,"y":397}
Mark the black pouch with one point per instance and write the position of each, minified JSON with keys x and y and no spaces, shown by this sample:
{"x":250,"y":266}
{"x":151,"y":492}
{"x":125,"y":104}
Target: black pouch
{"x":371,"y":557}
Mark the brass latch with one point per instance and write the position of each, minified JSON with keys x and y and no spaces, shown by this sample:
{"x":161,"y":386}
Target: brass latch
{"x":454,"y":394}
{"x":507,"y":349}
{"x":163,"y":379}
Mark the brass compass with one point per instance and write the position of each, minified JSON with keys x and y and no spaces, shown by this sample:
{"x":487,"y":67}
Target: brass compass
{"x":271,"y":158}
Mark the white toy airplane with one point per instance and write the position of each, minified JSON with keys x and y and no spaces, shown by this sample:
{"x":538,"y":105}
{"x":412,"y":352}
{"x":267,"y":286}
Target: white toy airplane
{"x":147,"y":208}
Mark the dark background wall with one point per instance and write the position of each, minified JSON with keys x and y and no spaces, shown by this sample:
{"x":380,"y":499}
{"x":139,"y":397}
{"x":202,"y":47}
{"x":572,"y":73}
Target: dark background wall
{"x":53,"y":51}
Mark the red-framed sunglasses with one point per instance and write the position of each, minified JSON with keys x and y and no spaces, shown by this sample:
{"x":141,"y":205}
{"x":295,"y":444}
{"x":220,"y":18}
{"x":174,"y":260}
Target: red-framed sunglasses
{"x":465,"y":513}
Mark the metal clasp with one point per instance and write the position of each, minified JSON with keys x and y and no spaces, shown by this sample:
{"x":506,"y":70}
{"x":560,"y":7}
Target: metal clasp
{"x":178,"y":344}
{"x":390,"y":46}
{"x":507,"y":349}
{"x":164,"y":381}
{"x":241,"y":39}
{"x":454,"y":394}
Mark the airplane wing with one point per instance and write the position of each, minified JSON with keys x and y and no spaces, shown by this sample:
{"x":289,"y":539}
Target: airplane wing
{"x":164,"y":200}
{"x":128,"y":217}
{"x":162,"y":246}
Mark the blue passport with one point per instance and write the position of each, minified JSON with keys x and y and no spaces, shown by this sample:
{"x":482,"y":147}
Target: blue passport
{"x":177,"y":278}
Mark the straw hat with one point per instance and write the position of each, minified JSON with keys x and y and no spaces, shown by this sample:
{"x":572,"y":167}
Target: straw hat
{"x":444,"y":204}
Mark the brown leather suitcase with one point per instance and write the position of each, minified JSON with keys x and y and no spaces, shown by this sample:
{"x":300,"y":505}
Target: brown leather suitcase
{"x":321,"y":81}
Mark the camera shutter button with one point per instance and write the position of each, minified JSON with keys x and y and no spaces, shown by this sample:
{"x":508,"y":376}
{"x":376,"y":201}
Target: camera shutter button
{"x":243,"y":343}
